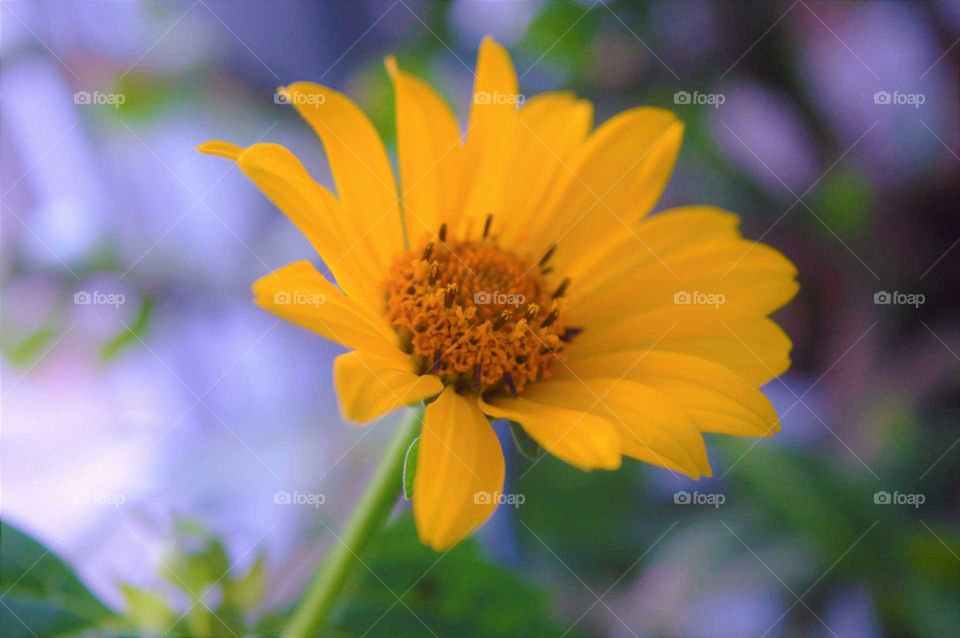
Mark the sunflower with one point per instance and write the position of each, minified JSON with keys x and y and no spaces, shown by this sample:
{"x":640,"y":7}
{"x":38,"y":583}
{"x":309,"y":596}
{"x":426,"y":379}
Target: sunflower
{"x":516,"y":274}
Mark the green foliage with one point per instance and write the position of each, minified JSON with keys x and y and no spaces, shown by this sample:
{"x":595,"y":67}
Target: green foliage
{"x":128,"y":336}
{"x":41,"y":595}
{"x":590,"y":519}
{"x":29,"y":349}
{"x":457,"y":594}
{"x":844,"y":201}
{"x":199,"y":566}
{"x":147,"y":610}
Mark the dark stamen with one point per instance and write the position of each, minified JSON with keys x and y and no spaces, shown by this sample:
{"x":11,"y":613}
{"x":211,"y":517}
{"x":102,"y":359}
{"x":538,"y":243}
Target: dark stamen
{"x":547,"y":255}
{"x":486,"y":225}
{"x":508,"y":379}
{"x":427,"y":251}
{"x":437,"y":361}
{"x":502,"y":319}
{"x":450,"y":295}
{"x":442,"y":234}
{"x":475,"y":383}
{"x":434,"y":272}
{"x":532,"y":311}
{"x":521,"y":358}
{"x":562,"y":288}
{"x":569,"y":334}
{"x":546,"y":271}
{"x":554,"y":314}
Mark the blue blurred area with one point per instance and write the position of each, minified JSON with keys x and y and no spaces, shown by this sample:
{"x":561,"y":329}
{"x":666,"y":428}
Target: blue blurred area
{"x":162,"y":393}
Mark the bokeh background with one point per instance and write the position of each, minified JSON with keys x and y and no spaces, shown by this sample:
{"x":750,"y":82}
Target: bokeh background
{"x":154,"y":419}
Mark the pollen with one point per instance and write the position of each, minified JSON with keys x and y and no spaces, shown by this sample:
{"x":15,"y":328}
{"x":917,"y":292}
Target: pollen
{"x":481,"y":317}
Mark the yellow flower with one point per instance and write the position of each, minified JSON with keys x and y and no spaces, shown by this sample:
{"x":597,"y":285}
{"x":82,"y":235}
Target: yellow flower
{"x":535,"y":287}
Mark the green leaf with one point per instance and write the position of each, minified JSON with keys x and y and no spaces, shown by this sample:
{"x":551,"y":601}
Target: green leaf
{"x":32,"y":346}
{"x":246,"y":593}
{"x":525,"y":445}
{"x":410,"y":468}
{"x":129,"y":335}
{"x":41,"y":595}
{"x":146,"y":610}
{"x":462,"y":595}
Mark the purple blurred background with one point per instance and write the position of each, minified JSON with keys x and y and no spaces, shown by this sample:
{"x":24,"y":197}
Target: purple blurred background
{"x":140,"y":384}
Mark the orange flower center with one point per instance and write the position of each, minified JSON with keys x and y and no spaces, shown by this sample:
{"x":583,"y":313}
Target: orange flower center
{"x":479,"y":316}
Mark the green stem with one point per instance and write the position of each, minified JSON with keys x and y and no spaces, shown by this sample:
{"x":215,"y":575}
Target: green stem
{"x":369,"y":517}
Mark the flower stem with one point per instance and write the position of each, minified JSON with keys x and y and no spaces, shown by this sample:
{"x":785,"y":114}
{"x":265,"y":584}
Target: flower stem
{"x":369,"y":517}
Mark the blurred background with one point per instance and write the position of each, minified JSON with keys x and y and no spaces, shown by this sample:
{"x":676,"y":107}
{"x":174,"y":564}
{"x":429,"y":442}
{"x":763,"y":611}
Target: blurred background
{"x":180,"y":450}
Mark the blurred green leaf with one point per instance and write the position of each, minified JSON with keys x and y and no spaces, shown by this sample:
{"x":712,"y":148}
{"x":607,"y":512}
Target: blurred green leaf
{"x":461,"y":594}
{"x":147,"y":610}
{"x":592,"y":520}
{"x":844,"y":202}
{"x":42,"y":595}
{"x":247,"y":592}
{"x":31,"y":347}
{"x":128,"y":336}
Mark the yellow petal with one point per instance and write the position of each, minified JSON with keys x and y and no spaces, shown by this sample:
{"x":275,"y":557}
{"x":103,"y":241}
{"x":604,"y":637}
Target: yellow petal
{"x":360,"y":167}
{"x":739,"y":276}
{"x":551,"y":129}
{"x":619,"y":175}
{"x":584,"y":440}
{"x":656,"y":238}
{"x":460,"y":471}
{"x":428,"y":151}
{"x":653,"y":427}
{"x":221,"y":148}
{"x":490,"y":133}
{"x":371,"y":383}
{"x":300,"y":294}
{"x":716,"y":398}
{"x":756,"y":348}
